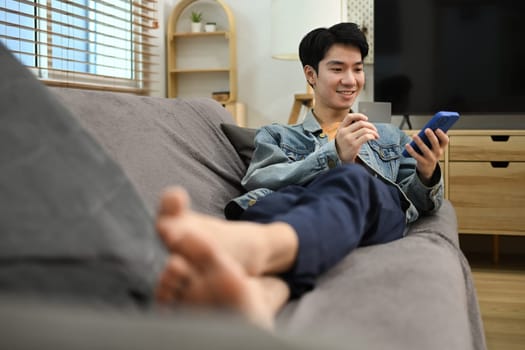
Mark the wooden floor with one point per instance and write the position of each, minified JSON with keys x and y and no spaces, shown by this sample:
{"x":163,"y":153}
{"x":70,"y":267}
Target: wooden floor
{"x":501,"y":296}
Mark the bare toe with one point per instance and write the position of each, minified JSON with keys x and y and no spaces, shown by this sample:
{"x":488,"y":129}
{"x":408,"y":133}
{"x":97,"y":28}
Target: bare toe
{"x":217,"y":279}
{"x":200,"y":273}
{"x":174,"y":201}
{"x":174,"y":280}
{"x":198,"y":251}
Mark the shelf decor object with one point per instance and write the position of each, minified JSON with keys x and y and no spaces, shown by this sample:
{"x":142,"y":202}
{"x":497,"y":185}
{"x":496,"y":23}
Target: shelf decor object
{"x":196,"y":24}
{"x":210,"y":27}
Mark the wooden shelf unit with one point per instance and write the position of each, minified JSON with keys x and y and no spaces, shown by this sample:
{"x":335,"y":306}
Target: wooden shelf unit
{"x":200,"y":47}
{"x":200,"y":34}
{"x":200,"y":70}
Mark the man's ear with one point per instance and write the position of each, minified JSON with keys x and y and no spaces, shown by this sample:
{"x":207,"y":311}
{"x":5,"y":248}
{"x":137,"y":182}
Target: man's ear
{"x":310,"y":75}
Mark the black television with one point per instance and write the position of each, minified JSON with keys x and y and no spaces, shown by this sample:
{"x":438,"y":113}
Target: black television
{"x":460,"y":55}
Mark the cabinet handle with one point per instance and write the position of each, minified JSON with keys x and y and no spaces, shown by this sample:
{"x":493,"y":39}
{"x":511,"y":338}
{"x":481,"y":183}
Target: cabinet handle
{"x":500,"y":138}
{"x":499,"y":164}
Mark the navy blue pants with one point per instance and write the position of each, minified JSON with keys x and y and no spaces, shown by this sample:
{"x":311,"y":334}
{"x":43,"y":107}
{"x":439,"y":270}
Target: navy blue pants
{"x":338,"y":211}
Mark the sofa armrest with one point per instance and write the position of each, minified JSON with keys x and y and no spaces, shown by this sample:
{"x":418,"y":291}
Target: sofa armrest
{"x":443,"y":222}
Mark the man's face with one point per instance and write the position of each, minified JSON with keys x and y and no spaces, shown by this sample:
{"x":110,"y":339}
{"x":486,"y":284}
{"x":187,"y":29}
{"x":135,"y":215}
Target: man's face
{"x":340,"y":77}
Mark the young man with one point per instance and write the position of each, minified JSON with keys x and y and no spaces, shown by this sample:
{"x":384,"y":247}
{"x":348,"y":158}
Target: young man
{"x":317,"y":190}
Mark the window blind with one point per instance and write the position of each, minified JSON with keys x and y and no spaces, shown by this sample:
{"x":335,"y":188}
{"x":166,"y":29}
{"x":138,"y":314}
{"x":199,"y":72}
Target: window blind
{"x":92,"y":44}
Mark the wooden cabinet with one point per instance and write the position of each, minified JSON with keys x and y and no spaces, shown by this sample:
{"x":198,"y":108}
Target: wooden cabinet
{"x":487,"y":197}
{"x":486,"y":182}
{"x":200,"y":64}
{"x":484,"y":175}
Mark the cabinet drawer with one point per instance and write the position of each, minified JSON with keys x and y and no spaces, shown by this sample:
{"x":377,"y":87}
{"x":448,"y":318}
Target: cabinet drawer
{"x":487,"y":147}
{"x":488,"y":199}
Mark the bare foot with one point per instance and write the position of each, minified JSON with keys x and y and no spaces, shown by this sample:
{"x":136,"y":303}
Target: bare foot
{"x":201,"y":274}
{"x":260,"y":249}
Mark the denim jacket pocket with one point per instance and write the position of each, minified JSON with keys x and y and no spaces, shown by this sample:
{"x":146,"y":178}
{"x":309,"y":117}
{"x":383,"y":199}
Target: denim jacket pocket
{"x":386,"y":152}
{"x":295,"y":153}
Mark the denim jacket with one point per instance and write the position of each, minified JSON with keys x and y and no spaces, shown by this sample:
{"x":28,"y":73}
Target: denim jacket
{"x":295,"y":154}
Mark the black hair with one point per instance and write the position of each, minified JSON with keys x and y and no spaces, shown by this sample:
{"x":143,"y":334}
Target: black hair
{"x":316,"y":43}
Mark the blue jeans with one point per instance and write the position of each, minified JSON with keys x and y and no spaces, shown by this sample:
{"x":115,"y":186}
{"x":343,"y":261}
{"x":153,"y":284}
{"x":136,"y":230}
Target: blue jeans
{"x":338,"y":211}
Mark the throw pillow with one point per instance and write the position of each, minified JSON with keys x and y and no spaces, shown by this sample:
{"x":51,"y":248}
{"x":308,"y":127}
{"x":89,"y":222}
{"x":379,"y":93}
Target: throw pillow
{"x":242,"y":140}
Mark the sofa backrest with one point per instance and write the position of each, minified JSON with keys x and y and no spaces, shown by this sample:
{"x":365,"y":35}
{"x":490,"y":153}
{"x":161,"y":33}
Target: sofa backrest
{"x":164,"y":142}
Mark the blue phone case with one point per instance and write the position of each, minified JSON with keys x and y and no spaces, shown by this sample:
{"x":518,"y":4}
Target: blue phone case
{"x":441,"y":120}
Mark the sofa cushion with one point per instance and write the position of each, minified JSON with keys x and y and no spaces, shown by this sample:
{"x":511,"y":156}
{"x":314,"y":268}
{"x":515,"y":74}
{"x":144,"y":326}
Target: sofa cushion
{"x":71,"y":223}
{"x":396,"y":295}
{"x":242,"y":139}
{"x":162,"y":142}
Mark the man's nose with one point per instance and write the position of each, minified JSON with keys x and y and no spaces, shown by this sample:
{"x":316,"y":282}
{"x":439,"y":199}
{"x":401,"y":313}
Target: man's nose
{"x":348,"y":78}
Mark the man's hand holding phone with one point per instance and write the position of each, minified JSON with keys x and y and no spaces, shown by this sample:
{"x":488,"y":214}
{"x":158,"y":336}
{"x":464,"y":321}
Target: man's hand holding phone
{"x":429,"y":144}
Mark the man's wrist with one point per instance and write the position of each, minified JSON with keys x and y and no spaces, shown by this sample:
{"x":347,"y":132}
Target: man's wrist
{"x":431,"y":180}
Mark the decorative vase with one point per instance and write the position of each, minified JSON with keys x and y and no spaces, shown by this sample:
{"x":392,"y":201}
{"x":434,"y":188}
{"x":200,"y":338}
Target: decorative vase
{"x":196,"y":27}
{"x":210,"y":27}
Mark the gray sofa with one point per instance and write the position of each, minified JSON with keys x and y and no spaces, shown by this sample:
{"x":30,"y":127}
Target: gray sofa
{"x":414,"y":293}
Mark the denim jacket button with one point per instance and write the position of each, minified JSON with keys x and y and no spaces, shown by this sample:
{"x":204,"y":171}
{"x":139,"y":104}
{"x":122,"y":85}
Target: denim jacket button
{"x":322,"y":135}
{"x":252,"y":202}
{"x":331,"y":163}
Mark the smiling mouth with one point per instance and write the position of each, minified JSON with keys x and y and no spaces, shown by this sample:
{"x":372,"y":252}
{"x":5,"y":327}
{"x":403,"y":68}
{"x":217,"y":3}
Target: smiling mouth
{"x":346,"y":92}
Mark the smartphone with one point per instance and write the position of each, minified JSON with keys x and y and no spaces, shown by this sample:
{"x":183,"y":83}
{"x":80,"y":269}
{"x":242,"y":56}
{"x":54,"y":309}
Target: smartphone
{"x":441,"y":120}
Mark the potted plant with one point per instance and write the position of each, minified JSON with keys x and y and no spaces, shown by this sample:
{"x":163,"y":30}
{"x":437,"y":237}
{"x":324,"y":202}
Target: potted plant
{"x":196,"y":18}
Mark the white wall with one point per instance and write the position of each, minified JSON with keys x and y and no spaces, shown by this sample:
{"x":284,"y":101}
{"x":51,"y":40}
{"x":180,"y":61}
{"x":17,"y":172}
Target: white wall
{"x":265,"y":85}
